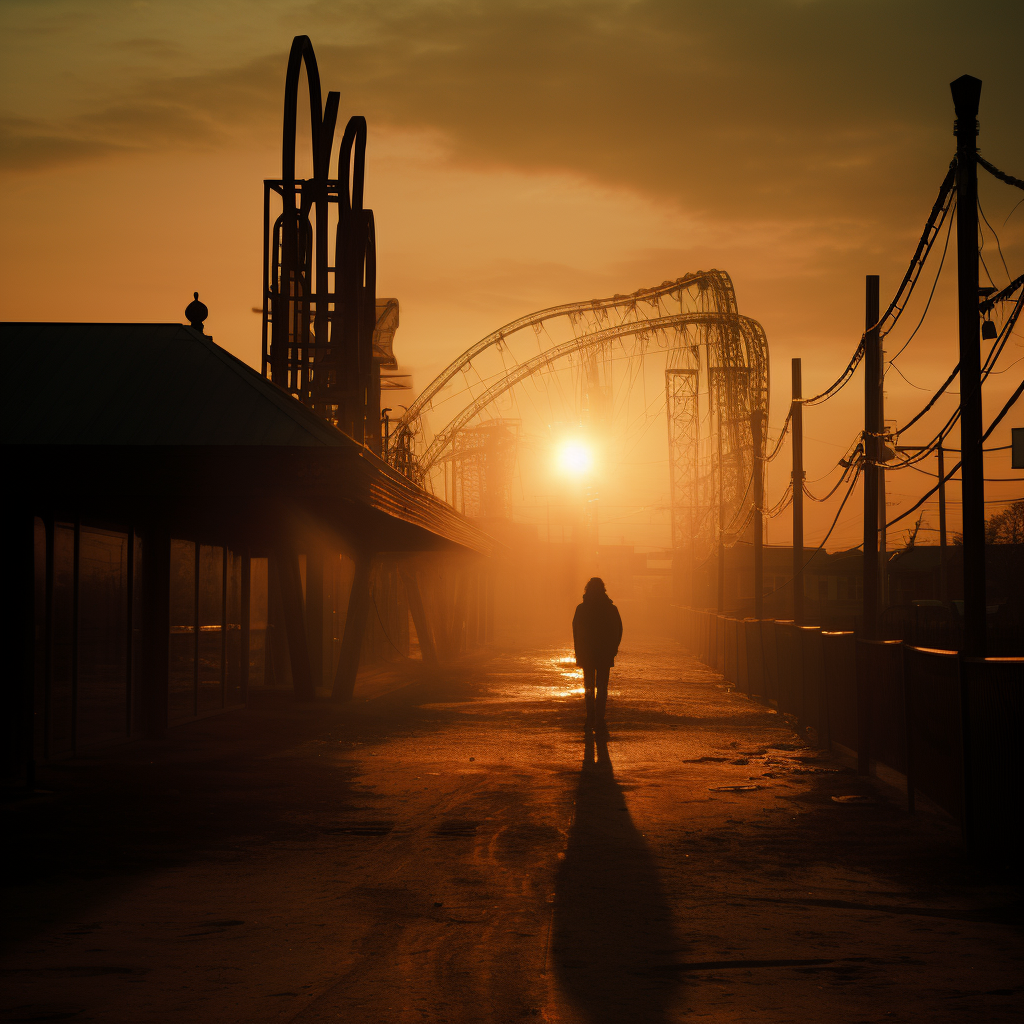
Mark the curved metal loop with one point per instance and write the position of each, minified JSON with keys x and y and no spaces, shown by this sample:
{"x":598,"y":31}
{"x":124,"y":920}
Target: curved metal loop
{"x":301,"y":52}
{"x":750,"y":330}
{"x":322,"y":167}
{"x":717,"y":282}
{"x":352,"y":166}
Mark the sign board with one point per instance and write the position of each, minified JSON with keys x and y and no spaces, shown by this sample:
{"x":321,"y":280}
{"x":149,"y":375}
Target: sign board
{"x":1017,"y":434}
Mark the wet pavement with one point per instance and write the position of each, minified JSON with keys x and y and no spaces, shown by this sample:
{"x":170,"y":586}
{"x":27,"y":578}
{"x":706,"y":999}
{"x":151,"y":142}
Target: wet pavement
{"x":455,"y":848}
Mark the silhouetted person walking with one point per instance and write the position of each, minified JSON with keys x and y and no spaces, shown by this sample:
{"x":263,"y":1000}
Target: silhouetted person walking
{"x":596,"y":634}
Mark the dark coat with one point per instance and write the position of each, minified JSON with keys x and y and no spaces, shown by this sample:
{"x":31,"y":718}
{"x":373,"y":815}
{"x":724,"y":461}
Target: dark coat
{"x":596,"y":632}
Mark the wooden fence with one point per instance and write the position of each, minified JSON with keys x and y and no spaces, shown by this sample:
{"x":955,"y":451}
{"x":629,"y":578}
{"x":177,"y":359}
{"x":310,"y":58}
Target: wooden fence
{"x":949,"y":726}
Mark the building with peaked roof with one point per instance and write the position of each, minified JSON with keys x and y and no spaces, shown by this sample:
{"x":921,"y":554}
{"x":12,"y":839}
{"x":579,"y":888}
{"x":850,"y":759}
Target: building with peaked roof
{"x":149,"y":471}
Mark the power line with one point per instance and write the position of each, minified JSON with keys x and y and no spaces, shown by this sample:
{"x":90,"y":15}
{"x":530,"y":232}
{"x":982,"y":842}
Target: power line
{"x":778,"y":444}
{"x":990,"y":302}
{"x":994,"y":353}
{"x":1001,"y":175}
{"x":839,"y":512}
{"x":783,"y":502}
{"x":984,"y":437}
{"x":931,"y":294}
{"x":999,"y":246}
{"x":940,"y":209}
{"x":839,"y":483}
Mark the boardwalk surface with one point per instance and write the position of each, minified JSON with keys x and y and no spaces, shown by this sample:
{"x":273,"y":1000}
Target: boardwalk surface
{"x":456,"y":851}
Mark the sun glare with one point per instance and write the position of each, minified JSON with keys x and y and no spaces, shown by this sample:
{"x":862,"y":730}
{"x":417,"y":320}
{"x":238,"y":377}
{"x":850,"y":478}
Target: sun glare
{"x":575,"y":457}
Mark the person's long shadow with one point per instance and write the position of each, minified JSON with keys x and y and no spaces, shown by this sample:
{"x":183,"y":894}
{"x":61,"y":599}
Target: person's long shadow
{"x":613,"y":943}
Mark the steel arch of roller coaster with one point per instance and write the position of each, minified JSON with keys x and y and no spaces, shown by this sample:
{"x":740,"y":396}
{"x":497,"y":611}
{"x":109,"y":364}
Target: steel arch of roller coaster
{"x":716,"y":379}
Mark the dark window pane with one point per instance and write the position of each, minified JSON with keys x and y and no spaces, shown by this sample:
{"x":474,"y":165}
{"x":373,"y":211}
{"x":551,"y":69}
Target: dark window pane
{"x":211,"y":627}
{"x":137,"y":620}
{"x":181,"y":668}
{"x":257,"y":620}
{"x":61,"y":715}
{"x":232,"y":669}
{"x":102,"y":638}
{"x":39,"y":637}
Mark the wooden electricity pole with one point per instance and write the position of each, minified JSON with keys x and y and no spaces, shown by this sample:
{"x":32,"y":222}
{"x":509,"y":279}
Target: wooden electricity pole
{"x":872,"y":447}
{"x":798,"y":495}
{"x":721,"y":519}
{"x":943,"y":584}
{"x":966,"y":96}
{"x":943,"y":579}
{"x":757,"y":466}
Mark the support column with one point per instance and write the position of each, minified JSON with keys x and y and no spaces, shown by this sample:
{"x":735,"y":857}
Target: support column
{"x":474,"y":608}
{"x":419,"y":619}
{"x":17,"y":685}
{"x":278,"y":668}
{"x":246,"y":613}
{"x":315,"y":614}
{"x":966,"y":96}
{"x":48,"y":636}
{"x":355,"y":628}
{"x":720,"y":602}
{"x":757,"y":437}
{"x":943,"y":578}
{"x":460,"y":630}
{"x":295,"y":624}
{"x":75,"y":626}
{"x":872,"y":446}
{"x":798,"y":494}
{"x":489,"y":608}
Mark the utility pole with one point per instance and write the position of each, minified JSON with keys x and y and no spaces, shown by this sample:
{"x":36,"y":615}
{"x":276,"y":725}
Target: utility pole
{"x":757,"y":437}
{"x":798,"y":495}
{"x":943,"y":580}
{"x":721,"y":518}
{"x":966,"y":96}
{"x":883,"y":558}
{"x":943,"y":585}
{"x":872,"y":445}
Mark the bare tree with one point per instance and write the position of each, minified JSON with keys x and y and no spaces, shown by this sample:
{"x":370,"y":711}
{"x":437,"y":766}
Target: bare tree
{"x":1006,"y":527}
{"x":912,"y":533}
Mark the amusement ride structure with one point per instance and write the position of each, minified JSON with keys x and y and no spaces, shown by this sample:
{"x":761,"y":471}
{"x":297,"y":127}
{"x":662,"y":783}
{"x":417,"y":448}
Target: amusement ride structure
{"x":459,"y":438}
{"x":327,"y":338}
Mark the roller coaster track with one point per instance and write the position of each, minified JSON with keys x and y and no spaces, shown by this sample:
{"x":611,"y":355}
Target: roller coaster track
{"x":696,"y":320}
{"x":717,"y":281}
{"x":445,"y":438}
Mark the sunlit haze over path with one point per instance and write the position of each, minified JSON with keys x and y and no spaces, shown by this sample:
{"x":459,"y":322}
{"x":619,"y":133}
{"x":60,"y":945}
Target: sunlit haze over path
{"x":522,"y":155}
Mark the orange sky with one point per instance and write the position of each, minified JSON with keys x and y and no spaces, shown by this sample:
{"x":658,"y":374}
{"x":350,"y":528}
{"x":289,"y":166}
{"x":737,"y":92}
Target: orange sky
{"x":521,"y":155}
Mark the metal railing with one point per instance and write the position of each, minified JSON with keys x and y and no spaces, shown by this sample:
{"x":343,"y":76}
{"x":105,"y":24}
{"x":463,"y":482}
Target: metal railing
{"x":949,"y":726}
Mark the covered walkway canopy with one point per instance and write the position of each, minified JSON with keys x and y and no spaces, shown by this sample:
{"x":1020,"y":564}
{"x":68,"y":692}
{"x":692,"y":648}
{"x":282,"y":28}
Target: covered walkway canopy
{"x":149,"y":448}
{"x":156,"y":419}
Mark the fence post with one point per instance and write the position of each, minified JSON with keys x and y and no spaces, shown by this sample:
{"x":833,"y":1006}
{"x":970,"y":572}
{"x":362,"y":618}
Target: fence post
{"x":863,"y":708}
{"x":969,"y":824}
{"x":908,"y":720}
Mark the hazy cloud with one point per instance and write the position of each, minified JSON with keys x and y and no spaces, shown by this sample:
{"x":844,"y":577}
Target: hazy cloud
{"x":149,"y":49}
{"x":27,"y":145}
{"x":741,"y":107}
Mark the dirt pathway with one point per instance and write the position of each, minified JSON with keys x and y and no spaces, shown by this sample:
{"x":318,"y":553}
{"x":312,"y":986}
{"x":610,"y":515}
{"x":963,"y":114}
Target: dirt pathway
{"x":457,"y":851}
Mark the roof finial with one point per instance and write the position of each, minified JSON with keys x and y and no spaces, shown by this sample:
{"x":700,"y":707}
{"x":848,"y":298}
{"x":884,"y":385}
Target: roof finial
{"x":196,"y":312}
